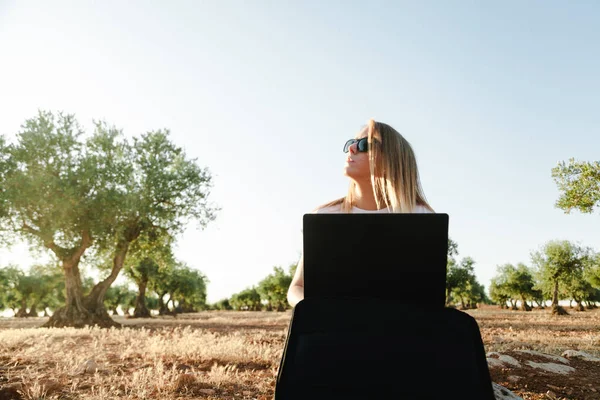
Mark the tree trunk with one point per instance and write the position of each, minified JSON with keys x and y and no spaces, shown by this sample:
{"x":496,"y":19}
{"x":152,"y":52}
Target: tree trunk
{"x":524,"y":305}
{"x":555,"y":294}
{"x":33,"y":311}
{"x":540,"y":305}
{"x":162,"y":307}
{"x":580,"y":306}
{"x":74,"y":313}
{"x":570,"y":303}
{"x":94,"y":302}
{"x":22,"y":313}
{"x":141,"y":310}
{"x":46,"y":312}
{"x":185,"y":307}
{"x":556,"y":309}
{"x":172,"y":310}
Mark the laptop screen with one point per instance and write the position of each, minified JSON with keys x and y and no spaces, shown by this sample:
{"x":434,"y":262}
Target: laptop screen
{"x":400,"y":257}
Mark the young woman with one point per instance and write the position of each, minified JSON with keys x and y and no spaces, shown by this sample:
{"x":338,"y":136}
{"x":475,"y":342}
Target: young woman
{"x":384,"y":178}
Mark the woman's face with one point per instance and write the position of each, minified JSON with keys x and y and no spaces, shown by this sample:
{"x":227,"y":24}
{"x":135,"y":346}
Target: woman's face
{"x":357,"y":162}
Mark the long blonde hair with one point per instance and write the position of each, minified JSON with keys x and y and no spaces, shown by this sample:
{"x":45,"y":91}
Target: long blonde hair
{"x":394,"y":173}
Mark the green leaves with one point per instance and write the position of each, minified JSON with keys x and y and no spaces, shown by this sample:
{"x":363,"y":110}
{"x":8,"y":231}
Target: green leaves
{"x":43,"y":183}
{"x":565,"y":268}
{"x":513,"y":283}
{"x":559,"y":259}
{"x":247,"y":299}
{"x":273,"y":289}
{"x":183,"y":284}
{"x":120,"y":295}
{"x":56,"y":185}
{"x":579,"y":183}
{"x":169,"y":187}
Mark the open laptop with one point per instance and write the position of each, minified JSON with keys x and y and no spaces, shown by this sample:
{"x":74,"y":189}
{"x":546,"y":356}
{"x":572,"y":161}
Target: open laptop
{"x":400,"y":257}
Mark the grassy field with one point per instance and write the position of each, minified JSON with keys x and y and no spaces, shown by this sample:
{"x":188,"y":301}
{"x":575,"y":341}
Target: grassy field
{"x":217,"y":355}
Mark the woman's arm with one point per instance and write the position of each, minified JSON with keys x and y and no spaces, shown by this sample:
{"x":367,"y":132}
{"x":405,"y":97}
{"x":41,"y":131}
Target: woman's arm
{"x":296,"y":290}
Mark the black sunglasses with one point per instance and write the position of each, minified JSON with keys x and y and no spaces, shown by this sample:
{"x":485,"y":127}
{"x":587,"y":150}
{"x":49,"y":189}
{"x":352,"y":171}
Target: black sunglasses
{"x":362,"y":144}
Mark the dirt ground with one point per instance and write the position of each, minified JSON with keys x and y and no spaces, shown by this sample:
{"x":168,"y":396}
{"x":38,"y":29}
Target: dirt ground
{"x":235,"y":355}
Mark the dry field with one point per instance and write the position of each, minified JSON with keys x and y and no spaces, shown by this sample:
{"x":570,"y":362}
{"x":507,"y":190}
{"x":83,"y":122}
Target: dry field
{"x":229,"y":355}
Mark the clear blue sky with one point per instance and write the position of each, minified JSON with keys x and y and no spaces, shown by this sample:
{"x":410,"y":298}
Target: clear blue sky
{"x":264,"y":93}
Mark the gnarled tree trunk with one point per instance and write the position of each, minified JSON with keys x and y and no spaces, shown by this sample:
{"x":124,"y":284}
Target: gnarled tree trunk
{"x":94,"y":301}
{"x":556,"y":309}
{"x":33,"y":311}
{"x":141,"y":310}
{"x":22,"y":313}
{"x":82,"y":311}
{"x":75,"y":313}
{"x":524,"y":305}
{"x":163,"y":308}
{"x":590,"y":305}
{"x":540,"y":305}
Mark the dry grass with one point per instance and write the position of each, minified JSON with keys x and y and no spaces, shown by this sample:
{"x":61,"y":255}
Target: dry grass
{"x":539,"y":330}
{"x":214,"y":355}
{"x":207,"y":355}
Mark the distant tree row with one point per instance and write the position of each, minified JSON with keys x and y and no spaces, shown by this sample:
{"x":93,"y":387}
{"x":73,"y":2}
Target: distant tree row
{"x":561,"y":270}
{"x":462,"y":287}
{"x":269,"y":295}
{"x":26,"y":294}
{"x":168,"y":289}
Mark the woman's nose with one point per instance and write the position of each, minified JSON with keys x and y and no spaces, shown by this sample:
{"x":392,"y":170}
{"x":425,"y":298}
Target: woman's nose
{"x":352,"y":148}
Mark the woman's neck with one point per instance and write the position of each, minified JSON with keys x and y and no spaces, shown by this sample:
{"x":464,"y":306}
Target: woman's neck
{"x":364,"y":196}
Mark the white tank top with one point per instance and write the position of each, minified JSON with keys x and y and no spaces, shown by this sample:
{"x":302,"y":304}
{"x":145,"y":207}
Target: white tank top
{"x":338,"y":209}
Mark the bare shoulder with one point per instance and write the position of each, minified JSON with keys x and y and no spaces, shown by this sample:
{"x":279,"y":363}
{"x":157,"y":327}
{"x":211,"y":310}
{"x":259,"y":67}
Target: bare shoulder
{"x":334,"y":206}
{"x":327,"y":209}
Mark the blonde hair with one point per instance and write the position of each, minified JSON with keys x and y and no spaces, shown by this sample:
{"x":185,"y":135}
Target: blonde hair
{"x":394,"y":172}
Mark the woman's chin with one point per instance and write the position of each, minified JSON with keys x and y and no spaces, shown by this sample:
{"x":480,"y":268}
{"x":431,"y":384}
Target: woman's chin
{"x":349,"y":173}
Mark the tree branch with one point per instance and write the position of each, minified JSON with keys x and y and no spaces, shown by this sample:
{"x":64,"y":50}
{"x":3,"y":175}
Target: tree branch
{"x":48,"y":243}
{"x":86,"y":241}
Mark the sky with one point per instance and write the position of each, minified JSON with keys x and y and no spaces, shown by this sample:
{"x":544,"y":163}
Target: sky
{"x":490,"y":95}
